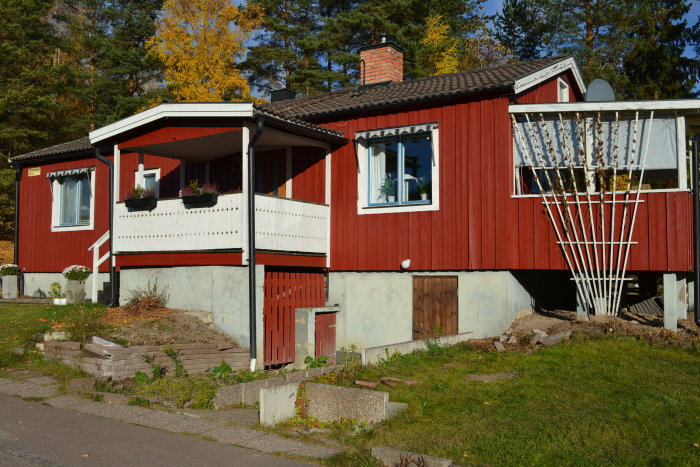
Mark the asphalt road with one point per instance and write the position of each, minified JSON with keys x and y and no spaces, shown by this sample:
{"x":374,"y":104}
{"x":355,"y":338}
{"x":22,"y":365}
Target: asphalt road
{"x":33,"y":434}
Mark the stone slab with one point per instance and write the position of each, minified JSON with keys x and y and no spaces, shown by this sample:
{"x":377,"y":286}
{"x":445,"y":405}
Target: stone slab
{"x":82,"y":385}
{"x":23,"y":389}
{"x":277,"y":403}
{"x":395,"y":408}
{"x":328,"y":403}
{"x":391,"y":457}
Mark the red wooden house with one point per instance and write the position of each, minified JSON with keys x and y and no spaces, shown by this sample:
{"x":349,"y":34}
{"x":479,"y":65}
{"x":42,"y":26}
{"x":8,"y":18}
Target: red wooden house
{"x":403,"y":203}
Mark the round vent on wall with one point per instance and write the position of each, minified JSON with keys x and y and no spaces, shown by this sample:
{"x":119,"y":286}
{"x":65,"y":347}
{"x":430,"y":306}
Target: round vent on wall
{"x":599,"y":90}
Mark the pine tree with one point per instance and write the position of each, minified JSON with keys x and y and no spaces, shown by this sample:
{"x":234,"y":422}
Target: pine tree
{"x":200,"y":43}
{"x":521,"y":27}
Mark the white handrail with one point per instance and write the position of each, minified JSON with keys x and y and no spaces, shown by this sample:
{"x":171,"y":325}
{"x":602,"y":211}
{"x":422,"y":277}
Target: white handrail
{"x":97,"y":261}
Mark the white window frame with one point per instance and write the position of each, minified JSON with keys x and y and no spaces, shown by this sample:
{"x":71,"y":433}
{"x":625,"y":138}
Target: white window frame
{"x":562,"y":90}
{"x":139,"y":178}
{"x":363,"y":206}
{"x":56,"y":207}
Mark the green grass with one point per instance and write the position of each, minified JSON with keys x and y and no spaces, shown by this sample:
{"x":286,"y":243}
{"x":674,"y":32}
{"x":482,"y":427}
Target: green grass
{"x":599,"y":401}
{"x":18,"y":323}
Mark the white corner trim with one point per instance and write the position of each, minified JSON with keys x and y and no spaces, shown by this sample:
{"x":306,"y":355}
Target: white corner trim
{"x":551,"y":71}
{"x":196,"y":110}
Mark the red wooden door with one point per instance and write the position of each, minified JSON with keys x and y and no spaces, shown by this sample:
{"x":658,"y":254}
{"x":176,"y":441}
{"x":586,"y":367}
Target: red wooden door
{"x":285,"y":291}
{"x":325,"y":336}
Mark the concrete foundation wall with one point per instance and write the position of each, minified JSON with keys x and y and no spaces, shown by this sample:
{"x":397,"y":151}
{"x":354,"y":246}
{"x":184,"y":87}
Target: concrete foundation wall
{"x":222,"y":290}
{"x":377,"y":307}
{"x":38,"y":284}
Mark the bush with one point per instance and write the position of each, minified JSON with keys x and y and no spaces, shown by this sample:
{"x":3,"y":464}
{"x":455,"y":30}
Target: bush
{"x":84,"y":322}
{"x":145,"y":299}
{"x":9,"y":270}
{"x":76,"y":273}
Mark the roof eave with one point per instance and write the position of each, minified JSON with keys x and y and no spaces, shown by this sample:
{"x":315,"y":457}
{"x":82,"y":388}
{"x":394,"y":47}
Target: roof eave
{"x":533,"y":79}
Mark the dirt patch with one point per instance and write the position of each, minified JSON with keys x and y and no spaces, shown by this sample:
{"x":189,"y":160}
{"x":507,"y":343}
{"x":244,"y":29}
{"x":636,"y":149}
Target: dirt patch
{"x":162,"y":327}
{"x":646,"y":327}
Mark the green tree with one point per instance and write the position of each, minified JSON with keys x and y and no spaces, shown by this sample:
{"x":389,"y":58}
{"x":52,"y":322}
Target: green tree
{"x":521,"y":27}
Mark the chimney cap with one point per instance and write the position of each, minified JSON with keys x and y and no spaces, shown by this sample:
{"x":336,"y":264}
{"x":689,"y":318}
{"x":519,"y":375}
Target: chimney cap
{"x":380,"y":45}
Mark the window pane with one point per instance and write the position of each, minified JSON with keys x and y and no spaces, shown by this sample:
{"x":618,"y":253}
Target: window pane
{"x":84,"y":204}
{"x":383,"y":167}
{"x":418,"y":159}
{"x":69,"y":194}
{"x":149,"y":182}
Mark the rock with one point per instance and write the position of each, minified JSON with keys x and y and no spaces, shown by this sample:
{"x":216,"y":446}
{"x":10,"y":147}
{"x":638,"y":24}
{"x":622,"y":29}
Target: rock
{"x":79,"y":385}
{"x":391,"y":382}
{"x":367,"y":384}
{"x":537,"y":336}
{"x":555,"y":338}
{"x":409,"y":382}
{"x":392,"y":457}
{"x":499,"y":346}
{"x":512,"y":340}
{"x":503,"y":338}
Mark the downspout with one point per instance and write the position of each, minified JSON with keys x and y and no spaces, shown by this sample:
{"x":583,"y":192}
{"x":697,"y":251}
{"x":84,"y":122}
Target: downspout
{"x":696,"y":227}
{"x":18,"y":179}
{"x":112,"y":272}
{"x":251,"y":242}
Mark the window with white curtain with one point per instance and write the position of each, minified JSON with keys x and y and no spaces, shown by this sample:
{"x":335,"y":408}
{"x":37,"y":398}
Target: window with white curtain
{"x":398,"y":169}
{"x":73,"y":200}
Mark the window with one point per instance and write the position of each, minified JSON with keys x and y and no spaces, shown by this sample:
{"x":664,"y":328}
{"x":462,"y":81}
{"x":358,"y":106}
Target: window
{"x":563,"y":90}
{"x":398,"y":169}
{"x":73,"y":201}
{"x":151,"y":180}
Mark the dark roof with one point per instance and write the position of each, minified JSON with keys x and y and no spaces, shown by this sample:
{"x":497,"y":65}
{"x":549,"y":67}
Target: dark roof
{"x":76,"y":146}
{"x":434,"y":87}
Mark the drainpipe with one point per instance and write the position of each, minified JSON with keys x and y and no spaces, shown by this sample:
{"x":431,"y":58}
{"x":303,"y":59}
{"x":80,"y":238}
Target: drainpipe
{"x":696,"y":227}
{"x":112,"y":272}
{"x":251,"y":241}
{"x":18,"y":179}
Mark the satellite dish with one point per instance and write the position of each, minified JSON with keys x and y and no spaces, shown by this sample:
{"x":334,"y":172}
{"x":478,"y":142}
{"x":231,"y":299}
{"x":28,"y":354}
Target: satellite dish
{"x":599,"y":90}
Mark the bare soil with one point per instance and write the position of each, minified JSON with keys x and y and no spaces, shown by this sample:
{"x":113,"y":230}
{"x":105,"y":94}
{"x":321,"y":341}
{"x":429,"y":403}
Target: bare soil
{"x":163,"y":326}
{"x":646,"y":327}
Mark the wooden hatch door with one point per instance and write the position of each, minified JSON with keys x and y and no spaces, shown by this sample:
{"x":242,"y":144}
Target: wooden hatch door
{"x":434,"y":306}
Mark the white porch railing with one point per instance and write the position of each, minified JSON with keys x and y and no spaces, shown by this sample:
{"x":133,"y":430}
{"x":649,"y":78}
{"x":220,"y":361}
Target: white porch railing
{"x":281,"y":225}
{"x":96,"y":261}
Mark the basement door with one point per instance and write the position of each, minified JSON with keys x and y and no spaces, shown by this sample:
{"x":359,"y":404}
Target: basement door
{"x":285,"y":291}
{"x":434,"y":306}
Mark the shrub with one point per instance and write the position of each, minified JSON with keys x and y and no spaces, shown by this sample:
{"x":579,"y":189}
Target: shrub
{"x":57,"y":290}
{"x":76,"y":273}
{"x":145,"y":299}
{"x":83,"y":322}
{"x":9,"y":270}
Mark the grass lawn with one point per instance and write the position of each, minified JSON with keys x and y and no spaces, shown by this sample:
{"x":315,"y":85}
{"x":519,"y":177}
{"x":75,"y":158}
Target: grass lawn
{"x":18,"y":323}
{"x":602,"y":400}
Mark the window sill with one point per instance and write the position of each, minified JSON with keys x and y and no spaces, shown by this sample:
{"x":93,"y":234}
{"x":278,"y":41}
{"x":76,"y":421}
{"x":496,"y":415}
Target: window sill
{"x":71,"y":228}
{"x":395,"y":208}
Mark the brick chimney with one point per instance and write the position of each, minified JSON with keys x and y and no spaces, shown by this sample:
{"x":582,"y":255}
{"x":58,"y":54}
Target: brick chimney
{"x":381,"y":62}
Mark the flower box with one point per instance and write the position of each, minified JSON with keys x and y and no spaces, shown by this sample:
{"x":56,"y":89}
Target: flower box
{"x":141,"y":203}
{"x":204,"y":199}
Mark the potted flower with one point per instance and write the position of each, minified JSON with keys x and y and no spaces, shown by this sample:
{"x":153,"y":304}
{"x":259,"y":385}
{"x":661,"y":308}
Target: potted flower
{"x":59,"y":298}
{"x":424,"y":187}
{"x":75,"y":289}
{"x":9,"y":274}
{"x":199,"y":195}
{"x":388,"y":188}
{"x":140,"y":198}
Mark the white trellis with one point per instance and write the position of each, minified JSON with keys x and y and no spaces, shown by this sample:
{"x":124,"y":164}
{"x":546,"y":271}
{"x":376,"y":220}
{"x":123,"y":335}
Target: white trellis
{"x":589,"y":169}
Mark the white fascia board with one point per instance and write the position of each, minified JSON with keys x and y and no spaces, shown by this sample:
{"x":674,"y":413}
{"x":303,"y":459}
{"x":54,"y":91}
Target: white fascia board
{"x":551,"y":71}
{"x":192,"y":110}
{"x":610,"y":106}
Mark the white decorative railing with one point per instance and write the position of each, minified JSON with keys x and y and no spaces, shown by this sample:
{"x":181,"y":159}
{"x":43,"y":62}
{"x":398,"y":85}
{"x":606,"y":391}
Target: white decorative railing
{"x":289,"y":225}
{"x":281,"y":225}
{"x":172,"y":226}
{"x":97,"y":261}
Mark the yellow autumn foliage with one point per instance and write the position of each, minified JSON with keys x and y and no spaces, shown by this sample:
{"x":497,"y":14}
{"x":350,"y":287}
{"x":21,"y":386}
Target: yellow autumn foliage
{"x":445,"y":48}
{"x":199,"y":43}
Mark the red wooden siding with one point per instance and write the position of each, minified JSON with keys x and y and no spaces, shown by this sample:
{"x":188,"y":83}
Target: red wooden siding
{"x":308,"y":174}
{"x":169,"y":173}
{"x":479,"y":226}
{"x":285,"y":291}
{"x":41,"y":250}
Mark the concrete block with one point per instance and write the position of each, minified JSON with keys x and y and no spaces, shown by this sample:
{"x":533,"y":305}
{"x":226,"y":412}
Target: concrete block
{"x":277,"y":403}
{"x":392,"y":457}
{"x":328,"y":403}
{"x":82,"y":385}
{"x":555,"y":338}
{"x":9,"y":286}
{"x":228,"y":396}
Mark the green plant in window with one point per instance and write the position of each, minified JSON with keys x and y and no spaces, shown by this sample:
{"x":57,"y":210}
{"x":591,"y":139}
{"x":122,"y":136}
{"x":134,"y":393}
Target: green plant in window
{"x":388,"y":188}
{"x":139,"y":192}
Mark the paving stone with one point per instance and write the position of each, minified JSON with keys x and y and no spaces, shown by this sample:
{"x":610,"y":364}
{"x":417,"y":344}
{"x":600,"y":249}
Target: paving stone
{"x":499,"y":346}
{"x":177,"y":423}
{"x":79,"y":385}
{"x":555,"y":338}
{"x":391,"y":457}
{"x":367,"y":384}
